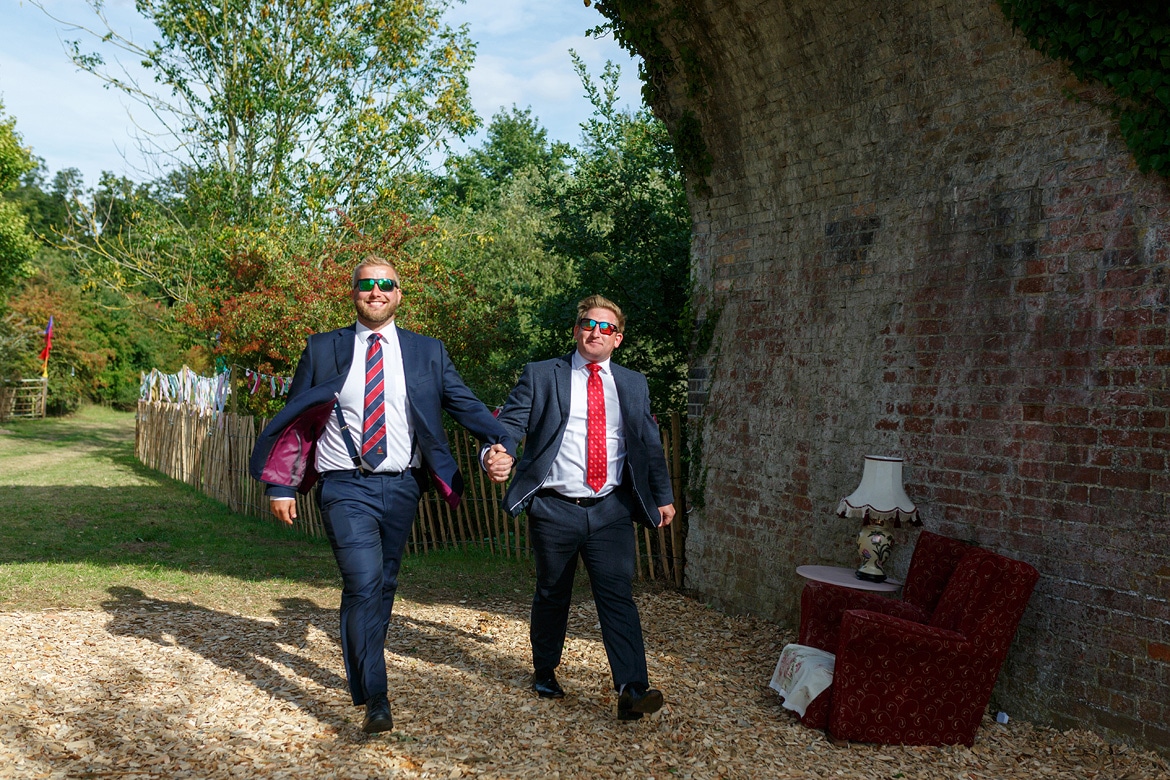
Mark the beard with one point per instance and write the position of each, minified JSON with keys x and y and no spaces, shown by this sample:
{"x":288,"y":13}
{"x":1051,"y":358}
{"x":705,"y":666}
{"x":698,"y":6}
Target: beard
{"x":371,"y":316}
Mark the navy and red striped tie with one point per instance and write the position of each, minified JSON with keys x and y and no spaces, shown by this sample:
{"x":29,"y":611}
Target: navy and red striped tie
{"x":374,"y":425}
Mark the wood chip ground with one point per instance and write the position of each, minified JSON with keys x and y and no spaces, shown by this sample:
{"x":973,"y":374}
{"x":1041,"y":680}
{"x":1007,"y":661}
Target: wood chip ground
{"x":149,"y":688}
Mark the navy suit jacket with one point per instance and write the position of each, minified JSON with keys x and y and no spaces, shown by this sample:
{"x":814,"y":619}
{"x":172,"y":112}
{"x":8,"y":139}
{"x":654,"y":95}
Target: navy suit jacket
{"x":284,"y":455}
{"x":538,"y":408}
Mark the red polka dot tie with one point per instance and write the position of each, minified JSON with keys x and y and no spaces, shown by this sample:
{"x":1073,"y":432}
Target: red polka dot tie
{"x":596,"y":456}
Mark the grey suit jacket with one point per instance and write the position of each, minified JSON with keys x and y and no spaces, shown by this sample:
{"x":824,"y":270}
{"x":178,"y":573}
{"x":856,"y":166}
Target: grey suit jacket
{"x":538,"y":408}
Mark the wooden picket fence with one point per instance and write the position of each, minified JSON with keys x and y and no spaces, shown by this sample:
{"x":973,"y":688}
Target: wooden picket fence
{"x":210,"y":452}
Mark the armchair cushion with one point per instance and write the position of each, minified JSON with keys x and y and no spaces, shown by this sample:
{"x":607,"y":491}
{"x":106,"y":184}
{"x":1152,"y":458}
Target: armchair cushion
{"x":934,"y":561}
{"x":822,"y":605}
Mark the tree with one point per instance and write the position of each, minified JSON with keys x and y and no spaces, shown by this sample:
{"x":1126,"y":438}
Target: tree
{"x":102,"y":340}
{"x":278,"y":113}
{"x":622,"y":218}
{"x":261,"y":318}
{"x":46,"y":206}
{"x":317,"y":102}
{"x":17,"y":245}
{"x":516,"y":144}
{"x":490,"y":222}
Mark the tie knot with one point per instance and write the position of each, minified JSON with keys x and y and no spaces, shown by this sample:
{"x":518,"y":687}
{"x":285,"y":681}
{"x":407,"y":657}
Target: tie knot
{"x":593,"y":367}
{"x":374,"y":339}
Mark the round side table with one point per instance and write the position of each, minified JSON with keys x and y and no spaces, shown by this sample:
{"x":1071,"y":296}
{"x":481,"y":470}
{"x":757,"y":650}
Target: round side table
{"x":845,"y":577}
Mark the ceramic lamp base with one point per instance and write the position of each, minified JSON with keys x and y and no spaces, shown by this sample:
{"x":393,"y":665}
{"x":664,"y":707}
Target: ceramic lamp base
{"x":874,"y":543}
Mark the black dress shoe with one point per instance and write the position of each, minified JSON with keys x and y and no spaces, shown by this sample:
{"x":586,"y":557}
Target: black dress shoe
{"x":546,"y":686}
{"x":636,"y":701}
{"x":377,"y":715}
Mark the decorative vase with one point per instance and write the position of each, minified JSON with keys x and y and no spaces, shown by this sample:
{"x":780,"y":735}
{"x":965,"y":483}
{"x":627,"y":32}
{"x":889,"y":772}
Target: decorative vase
{"x":874,"y":543}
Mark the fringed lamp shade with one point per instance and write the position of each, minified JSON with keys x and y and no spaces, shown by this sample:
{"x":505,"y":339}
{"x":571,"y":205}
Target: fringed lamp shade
{"x":880,"y":496}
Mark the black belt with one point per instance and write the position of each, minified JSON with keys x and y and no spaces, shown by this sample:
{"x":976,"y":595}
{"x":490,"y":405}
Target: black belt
{"x":363,"y":471}
{"x":587,"y":501}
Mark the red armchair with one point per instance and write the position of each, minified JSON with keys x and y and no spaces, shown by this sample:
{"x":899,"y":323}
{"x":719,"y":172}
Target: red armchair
{"x":920,"y":670}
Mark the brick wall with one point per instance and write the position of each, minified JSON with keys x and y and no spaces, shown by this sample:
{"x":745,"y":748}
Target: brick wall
{"x":915,"y":243}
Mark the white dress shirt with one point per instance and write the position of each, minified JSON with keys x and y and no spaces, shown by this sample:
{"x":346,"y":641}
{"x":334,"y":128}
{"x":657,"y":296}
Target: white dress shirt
{"x":332,"y":453}
{"x":567,"y":476}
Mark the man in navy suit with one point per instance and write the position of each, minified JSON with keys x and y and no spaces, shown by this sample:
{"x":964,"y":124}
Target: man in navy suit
{"x":364,"y":414}
{"x":592,"y":461}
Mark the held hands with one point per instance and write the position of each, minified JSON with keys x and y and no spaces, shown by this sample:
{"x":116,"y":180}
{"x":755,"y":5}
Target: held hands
{"x":667,"y":513}
{"x":498,"y":463}
{"x":285,"y":509}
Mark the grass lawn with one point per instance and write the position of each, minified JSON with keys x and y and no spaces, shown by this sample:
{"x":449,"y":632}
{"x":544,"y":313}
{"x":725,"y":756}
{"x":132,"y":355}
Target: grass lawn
{"x":81,"y":518}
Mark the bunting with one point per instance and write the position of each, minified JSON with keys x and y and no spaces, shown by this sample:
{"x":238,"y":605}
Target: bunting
{"x":208,"y":393}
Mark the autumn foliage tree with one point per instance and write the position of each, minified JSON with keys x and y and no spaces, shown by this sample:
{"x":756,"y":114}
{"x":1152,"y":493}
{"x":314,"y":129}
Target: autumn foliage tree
{"x":272,"y":301}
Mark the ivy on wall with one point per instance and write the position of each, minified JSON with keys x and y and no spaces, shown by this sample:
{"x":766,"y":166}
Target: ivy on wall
{"x":637,"y":25}
{"x":1122,"y":44}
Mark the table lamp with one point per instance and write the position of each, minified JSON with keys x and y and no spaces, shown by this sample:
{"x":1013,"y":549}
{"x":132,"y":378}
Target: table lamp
{"x":879,"y":498}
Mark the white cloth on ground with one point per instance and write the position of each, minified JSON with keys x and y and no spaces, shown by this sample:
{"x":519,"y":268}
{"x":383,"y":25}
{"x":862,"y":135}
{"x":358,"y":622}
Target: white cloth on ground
{"x":802,"y":674}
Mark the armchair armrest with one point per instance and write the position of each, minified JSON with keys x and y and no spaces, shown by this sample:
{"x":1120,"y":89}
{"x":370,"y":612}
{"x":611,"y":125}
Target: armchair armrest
{"x":822,"y":606}
{"x":901,"y":682}
{"x":868,"y":631}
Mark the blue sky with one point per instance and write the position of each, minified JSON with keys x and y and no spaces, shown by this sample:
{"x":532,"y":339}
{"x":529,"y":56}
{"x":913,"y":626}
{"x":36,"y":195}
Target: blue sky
{"x":70,"y":120}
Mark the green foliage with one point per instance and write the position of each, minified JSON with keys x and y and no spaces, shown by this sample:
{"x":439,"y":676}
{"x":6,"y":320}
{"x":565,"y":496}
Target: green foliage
{"x":491,"y":221}
{"x":1124,"y":46}
{"x":103,"y":337}
{"x":283,"y":114}
{"x":621,"y":217}
{"x":274,"y":298}
{"x":102,"y":340}
{"x":157,"y":240}
{"x":318,"y":103}
{"x":639,"y":25}
{"x":528,"y":228}
{"x":280,"y":112}
{"x":636,"y":25}
{"x":46,"y":205}
{"x":17,"y":245}
{"x":516,"y":144}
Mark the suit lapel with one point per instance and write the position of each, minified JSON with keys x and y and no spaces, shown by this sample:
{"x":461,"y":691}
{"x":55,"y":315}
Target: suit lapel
{"x":563,"y":377}
{"x":623,"y":390}
{"x":408,"y":348}
{"x":343,"y":349}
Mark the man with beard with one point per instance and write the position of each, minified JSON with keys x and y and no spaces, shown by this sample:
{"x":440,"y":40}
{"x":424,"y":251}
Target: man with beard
{"x":364,"y":414}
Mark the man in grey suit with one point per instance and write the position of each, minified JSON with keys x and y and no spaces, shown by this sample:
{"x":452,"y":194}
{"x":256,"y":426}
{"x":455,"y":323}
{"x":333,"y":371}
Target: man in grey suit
{"x":592,"y":461}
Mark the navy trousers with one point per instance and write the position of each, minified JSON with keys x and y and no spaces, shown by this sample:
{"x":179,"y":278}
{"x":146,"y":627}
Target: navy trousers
{"x":602,"y":537}
{"x":367,"y":519}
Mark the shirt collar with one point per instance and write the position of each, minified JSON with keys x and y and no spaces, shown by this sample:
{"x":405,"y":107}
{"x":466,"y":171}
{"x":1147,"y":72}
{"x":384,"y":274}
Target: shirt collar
{"x":580,"y":362}
{"x":363,"y":332}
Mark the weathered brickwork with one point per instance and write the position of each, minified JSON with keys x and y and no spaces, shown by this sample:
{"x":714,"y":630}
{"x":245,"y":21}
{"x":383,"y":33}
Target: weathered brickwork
{"x":915,"y":243}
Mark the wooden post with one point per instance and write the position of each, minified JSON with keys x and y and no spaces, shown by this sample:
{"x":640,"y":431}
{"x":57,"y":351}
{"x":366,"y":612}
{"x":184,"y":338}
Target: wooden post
{"x":676,"y":473}
{"x":662,"y":553}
